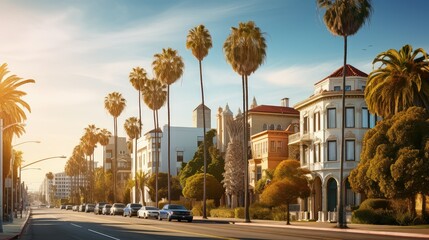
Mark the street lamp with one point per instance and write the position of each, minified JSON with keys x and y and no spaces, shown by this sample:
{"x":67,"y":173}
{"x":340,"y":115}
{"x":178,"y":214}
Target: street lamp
{"x":12,"y":165}
{"x":1,"y":167}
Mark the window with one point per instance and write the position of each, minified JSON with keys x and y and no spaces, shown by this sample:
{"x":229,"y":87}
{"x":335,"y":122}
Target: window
{"x":316,"y":153}
{"x":350,"y":150}
{"x":179,"y":156}
{"x":348,"y":88}
{"x":363,"y":88}
{"x":272,"y":127}
{"x":273,"y":146}
{"x":304,"y":154}
{"x":305,"y":125}
{"x":316,"y":121}
{"x":279,"y":146}
{"x":368,"y":120}
{"x":258,"y":173}
{"x":350,"y":117}
{"x":279,"y":127}
{"x":332,"y":113}
{"x":264,"y":127}
{"x":332,"y":150}
{"x":337,"y":88}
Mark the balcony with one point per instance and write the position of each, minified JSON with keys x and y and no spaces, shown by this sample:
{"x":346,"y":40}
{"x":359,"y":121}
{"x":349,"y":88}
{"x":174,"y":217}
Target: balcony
{"x":300,"y":138}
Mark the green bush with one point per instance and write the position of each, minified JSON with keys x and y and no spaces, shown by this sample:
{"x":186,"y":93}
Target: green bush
{"x":222,"y":213}
{"x":371,"y":216}
{"x":260,"y":213}
{"x":279,"y":213}
{"x":375,"y":203}
{"x":197,"y":209}
{"x":239,"y":212}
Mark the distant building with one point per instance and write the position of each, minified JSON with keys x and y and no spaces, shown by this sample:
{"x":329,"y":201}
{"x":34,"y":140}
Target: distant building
{"x":197,"y":117}
{"x":319,"y":139}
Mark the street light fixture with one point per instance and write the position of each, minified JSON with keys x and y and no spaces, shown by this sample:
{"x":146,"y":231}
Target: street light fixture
{"x":1,"y":167}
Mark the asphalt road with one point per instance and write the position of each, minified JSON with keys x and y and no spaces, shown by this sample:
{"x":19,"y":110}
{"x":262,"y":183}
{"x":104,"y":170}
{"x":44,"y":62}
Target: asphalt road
{"x":56,"y":224}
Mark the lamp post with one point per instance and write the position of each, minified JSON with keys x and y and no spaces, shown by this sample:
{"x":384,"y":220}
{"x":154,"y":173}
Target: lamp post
{"x":15,"y":198}
{"x":1,"y":167}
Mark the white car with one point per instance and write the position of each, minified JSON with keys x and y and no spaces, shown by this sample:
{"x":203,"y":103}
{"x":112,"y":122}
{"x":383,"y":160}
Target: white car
{"x":148,"y":212}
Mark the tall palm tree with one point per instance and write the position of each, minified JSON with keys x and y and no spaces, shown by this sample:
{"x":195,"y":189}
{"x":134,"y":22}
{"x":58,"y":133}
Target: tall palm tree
{"x":114,"y":103}
{"x":132,"y":127}
{"x":344,"y":18}
{"x":138,"y":78}
{"x":90,"y":139}
{"x":12,"y":110}
{"x":155,"y":95}
{"x":245,"y":51}
{"x":199,"y":42}
{"x":168,"y":67}
{"x":401,"y":81}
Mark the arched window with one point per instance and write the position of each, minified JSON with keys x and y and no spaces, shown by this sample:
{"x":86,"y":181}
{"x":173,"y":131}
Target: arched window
{"x":279,"y":127}
{"x":272,"y":127}
{"x":264,"y":127}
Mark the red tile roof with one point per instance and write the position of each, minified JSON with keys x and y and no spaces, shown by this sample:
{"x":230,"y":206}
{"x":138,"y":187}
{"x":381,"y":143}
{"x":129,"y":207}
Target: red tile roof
{"x":273,"y":109}
{"x":350,"y":72}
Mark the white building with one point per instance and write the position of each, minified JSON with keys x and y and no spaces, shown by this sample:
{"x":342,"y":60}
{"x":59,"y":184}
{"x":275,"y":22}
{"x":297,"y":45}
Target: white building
{"x":184,"y":143}
{"x":319,"y":139}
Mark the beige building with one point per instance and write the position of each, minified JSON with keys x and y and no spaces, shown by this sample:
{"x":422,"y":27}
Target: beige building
{"x":197,"y":117}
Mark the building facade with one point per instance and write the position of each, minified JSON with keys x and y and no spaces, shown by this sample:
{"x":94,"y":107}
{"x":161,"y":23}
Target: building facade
{"x":319,"y":139}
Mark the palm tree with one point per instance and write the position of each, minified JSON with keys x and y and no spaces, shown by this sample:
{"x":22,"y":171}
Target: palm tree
{"x":90,"y":140}
{"x":245,"y":49}
{"x":141,"y":179}
{"x":138,"y":78}
{"x":155,"y":95}
{"x":200,"y":41}
{"x":12,"y":110}
{"x":168,"y":67}
{"x":344,"y":18}
{"x":114,"y":103}
{"x":132,"y":127}
{"x":401,"y":81}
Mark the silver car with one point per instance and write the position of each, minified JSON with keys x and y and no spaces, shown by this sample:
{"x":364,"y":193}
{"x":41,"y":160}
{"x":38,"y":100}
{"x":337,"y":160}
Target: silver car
{"x":148,"y":212}
{"x":117,"y":209}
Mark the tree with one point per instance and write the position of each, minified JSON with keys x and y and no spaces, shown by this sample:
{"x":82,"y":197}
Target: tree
{"x":194,"y":187}
{"x":114,"y":103}
{"x":244,"y":50}
{"x":155,"y":95}
{"x":12,"y":110}
{"x":89,"y":141}
{"x":289,"y":183}
{"x":138,"y":78}
{"x":401,"y":81}
{"x":176,"y":190}
{"x":394,"y":160}
{"x":199,"y":42}
{"x":141,"y":180}
{"x":168,"y":67}
{"x":132,"y":127}
{"x":344,"y":18}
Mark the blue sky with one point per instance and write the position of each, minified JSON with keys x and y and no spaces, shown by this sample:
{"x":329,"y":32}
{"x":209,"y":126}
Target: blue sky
{"x":79,"y":51}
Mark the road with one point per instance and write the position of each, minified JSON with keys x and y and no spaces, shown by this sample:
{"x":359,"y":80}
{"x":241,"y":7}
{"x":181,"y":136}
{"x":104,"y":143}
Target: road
{"x":61,"y":224}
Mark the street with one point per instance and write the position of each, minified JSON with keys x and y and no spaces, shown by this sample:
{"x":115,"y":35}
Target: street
{"x":62,"y":224}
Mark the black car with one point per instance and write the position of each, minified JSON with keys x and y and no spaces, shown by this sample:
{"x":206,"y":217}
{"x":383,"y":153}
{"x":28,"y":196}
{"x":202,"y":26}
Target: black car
{"x":173,"y":211}
{"x":99,"y":207}
{"x":131,"y":209}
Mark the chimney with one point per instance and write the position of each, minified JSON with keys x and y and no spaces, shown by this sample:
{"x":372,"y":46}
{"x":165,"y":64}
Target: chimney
{"x":284,"y":102}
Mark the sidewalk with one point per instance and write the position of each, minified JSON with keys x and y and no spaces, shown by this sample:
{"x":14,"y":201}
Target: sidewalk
{"x":418,"y":231}
{"x":14,"y":229}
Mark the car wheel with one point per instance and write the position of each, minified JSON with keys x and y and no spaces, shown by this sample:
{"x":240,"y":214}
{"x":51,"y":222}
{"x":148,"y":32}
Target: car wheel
{"x":169,"y":219}
{"x":189,"y":220}
{"x":179,"y":220}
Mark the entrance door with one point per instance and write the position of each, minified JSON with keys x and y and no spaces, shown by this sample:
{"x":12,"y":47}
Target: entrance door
{"x":332,"y":195}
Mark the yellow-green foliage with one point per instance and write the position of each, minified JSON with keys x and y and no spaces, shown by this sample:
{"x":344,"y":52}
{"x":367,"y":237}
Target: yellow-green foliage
{"x":222,"y":213}
{"x":197,"y":209}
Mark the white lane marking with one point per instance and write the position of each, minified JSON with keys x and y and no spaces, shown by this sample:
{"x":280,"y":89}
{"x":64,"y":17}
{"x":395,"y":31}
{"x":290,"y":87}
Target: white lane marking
{"x":102,"y":234}
{"x":76,"y":225}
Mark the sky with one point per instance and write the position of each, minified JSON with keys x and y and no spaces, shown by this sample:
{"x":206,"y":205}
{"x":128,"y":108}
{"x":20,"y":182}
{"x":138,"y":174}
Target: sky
{"x":79,"y":51}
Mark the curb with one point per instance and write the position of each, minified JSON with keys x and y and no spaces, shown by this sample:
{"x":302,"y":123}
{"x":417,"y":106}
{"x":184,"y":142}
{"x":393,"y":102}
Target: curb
{"x":23,"y":226}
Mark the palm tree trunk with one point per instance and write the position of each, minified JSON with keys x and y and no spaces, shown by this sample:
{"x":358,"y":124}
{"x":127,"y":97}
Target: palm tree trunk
{"x":204,"y":144}
{"x":341,"y":223}
{"x":135,"y":170}
{"x":168,"y":145}
{"x":245,"y":153}
{"x":156,"y":155}
{"x":140,"y":114}
{"x":115,"y":129}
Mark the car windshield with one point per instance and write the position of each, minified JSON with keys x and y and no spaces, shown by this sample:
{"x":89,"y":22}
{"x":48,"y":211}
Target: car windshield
{"x":176,"y":207}
{"x":107,"y":206}
{"x":119,"y":205}
{"x":151,"y":208}
{"x":136,"y":205}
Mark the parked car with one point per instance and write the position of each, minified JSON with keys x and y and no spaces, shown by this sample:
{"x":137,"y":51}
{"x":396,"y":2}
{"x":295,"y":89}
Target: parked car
{"x":106,"y":209}
{"x":81,"y":208}
{"x":75,"y":208}
{"x":63,"y":207}
{"x":117,"y":209}
{"x":99,"y":207}
{"x":131,"y":209}
{"x":69,"y":207}
{"x":148,"y":212}
{"x":89,"y":207}
{"x":174,"y":211}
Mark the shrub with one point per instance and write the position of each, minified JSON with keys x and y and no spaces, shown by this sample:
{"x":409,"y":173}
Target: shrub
{"x":375,"y":203}
{"x":239,"y":212}
{"x":222,"y":213}
{"x":279,"y":213}
{"x":197,"y":209}
{"x":371,"y":216}
{"x":260,"y":213}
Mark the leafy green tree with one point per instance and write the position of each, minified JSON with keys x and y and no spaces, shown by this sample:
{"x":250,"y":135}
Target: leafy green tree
{"x":289,"y":183}
{"x":401,"y":81}
{"x":176,"y":190}
{"x":194,"y":187}
{"x":394,"y":160}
